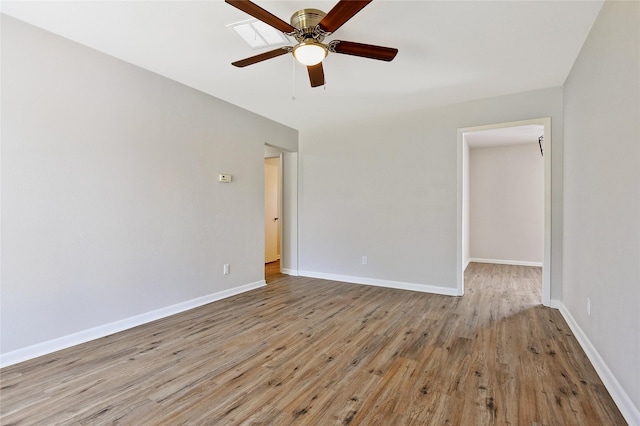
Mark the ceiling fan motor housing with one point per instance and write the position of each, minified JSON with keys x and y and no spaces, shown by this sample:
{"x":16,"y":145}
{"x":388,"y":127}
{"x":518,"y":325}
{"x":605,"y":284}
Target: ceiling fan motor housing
{"x":306,"y":22}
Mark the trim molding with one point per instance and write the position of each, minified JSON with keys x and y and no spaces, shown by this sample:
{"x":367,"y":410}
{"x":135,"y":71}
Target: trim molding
{"x":424,"y":288}
{"x":555,"y":304}
{"x":44,"y":348}
{"x":292,"y":272}
{"x":506,"y":262}
{"x":466,"y":265}
{"x":629,"y":411}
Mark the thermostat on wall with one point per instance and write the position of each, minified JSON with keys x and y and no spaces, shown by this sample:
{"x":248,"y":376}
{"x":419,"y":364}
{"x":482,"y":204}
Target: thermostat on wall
{"x":224,"y":178}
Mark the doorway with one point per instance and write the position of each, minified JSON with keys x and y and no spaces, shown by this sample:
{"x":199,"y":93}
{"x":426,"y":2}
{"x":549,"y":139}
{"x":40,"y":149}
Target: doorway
{"x":285,"y":227}
{"x":272,"y":241}
{"x":465,"y":135}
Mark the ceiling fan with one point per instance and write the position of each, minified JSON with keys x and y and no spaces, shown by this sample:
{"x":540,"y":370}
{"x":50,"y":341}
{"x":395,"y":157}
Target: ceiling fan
{"x":309,"y":27}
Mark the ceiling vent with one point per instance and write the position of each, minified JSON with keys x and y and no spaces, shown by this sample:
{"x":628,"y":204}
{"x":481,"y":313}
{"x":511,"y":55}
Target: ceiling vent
{"x":257,"y":34}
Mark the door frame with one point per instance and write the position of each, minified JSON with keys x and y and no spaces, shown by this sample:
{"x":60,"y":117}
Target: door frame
{"x":463,"y":172}
{"x":287,"y":207}
{"x":278,"y":207}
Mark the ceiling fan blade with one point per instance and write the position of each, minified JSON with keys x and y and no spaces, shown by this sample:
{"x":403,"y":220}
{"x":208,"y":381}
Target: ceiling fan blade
{"x":341,"y":13}
{"x":316,"y":75}
{"x":364,"y":50}
{"x":261,"y":57}
{"x":257,"y":12}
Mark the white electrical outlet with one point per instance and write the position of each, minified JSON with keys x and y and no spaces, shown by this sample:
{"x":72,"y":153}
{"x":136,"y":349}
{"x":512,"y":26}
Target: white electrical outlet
{"x":225,"y":269}
{"x":588,"y":306}
{"x":364,"y":260}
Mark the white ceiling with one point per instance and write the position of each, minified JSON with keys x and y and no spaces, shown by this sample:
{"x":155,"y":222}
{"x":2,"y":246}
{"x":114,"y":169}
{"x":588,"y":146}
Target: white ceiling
{"x":449,"y":51}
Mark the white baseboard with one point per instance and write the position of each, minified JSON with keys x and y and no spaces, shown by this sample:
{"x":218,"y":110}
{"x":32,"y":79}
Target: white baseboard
{"x":74,"y":339}
{"x":555,"y":304}
{"x":424,"y":288}
{"x":292,"y":272}
{"x":506,"y":262}
{"x":626,"y":406}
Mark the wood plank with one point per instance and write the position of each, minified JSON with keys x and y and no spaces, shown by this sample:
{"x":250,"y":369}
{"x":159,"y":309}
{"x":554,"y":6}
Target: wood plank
{"x":311,"y":351}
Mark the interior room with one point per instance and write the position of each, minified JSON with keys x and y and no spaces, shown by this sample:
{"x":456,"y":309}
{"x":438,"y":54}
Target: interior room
{"x":427,"y":264}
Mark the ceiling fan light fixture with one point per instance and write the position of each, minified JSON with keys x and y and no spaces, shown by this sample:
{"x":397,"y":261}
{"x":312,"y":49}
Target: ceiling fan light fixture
{"x":310,"y":52}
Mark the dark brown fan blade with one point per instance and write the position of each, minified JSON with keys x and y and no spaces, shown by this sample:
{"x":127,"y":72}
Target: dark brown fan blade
{"x":261,"y":14}
{"x":365,"y":50}
{"x":341,"y":13}
{"x":259,"y":58}
{"x":316,"y":75}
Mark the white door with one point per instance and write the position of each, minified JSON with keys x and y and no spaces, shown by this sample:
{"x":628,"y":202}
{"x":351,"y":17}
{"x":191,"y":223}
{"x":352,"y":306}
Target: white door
{"x":271,"y":174}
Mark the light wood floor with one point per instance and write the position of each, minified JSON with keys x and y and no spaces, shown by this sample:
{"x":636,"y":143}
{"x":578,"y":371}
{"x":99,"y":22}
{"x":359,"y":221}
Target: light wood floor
{"x":315,"y":352}
{"x":272,"y":272}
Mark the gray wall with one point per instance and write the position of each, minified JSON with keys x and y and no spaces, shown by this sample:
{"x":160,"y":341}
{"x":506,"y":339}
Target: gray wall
{"x":289,"y":255}
{"x":387,"y":188}
{"x":507,"y":203}
{"x":602,"y":192}
{"x":110,"y":202}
